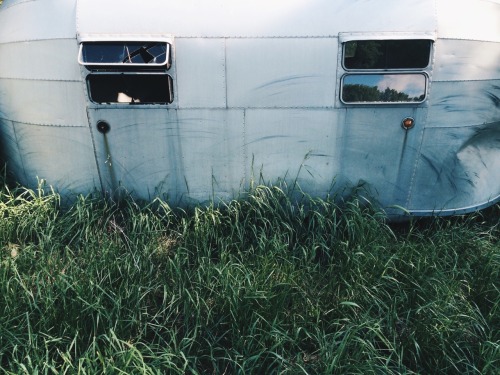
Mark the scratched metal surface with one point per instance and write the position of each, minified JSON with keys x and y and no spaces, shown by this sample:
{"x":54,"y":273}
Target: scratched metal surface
{"x":62,"y":155}
{"x":256,"y":99}
{"x":458,"y":169}
{"x":179,"y":154}
{"x":44,"y":126}
{"x":281,"y":73}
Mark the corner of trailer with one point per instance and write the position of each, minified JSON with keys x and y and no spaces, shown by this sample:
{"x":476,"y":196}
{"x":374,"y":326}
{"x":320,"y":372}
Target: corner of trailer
{"x":384,"y":83}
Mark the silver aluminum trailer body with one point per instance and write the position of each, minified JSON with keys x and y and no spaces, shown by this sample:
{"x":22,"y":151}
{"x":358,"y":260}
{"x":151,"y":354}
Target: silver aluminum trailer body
{"x":255,"y":88}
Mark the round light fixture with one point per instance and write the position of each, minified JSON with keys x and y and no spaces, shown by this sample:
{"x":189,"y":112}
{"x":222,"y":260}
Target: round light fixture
{"x":103,"y":127}
{"x":407,"y":123}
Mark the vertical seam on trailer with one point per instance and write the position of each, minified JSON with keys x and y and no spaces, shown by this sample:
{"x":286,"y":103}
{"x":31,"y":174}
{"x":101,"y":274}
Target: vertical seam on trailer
{"x":424,"y":120}
{"x":77,"y":18}
{"x":417,"y":161}
{"x":17,"y":145}
{"x":245,"y":150}
{"x":95,"y":150}
{"x":86,"y":95}
{"x":225,"y":73}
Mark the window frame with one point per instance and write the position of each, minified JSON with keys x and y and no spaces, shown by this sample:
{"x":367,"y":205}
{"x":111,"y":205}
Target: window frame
{"x":426,"y":83}
{"x":344,"y":72}
{"x":164,"y":69}
{"x":170,"y":92}
{"x":123,"y":65}
{"x":344,"y":46}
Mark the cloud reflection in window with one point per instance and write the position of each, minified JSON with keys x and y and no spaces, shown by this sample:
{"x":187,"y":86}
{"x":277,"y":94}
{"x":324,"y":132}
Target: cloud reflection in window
{"x":383,"y":88}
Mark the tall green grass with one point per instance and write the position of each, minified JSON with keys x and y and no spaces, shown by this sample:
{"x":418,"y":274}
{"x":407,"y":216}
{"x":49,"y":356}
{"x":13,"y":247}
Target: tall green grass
{"x":265,"y":285}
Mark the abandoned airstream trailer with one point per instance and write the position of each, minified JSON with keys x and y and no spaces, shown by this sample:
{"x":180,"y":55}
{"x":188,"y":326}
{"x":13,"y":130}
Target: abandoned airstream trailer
{"x":193,"y":99}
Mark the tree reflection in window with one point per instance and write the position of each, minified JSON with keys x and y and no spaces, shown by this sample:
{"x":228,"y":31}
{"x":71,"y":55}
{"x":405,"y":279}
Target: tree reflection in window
{"x":384,"y":88}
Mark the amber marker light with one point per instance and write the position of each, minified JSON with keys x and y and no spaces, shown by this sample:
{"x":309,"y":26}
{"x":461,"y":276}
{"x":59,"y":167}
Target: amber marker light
{"x":408,"y":123}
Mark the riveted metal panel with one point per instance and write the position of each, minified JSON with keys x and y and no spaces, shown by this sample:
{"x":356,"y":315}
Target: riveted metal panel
{"x":457,"y":169}
{"x":464,"y":103}
{"x":466,"y":60}
{"x":9,"y":150}
{"x":378,"y":154}
{"x":40,"y":60}
{"x":201,"y":72}
{"x":57,"y":103}
{"x":297,"y":145}
{"x":63,"y":156}
{"x":37,"y":20}
{"x":183,"y":155}
{"x":297,"y":72}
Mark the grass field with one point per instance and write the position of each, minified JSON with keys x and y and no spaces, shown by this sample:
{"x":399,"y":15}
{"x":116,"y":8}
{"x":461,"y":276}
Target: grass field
{"x":258,"y":286}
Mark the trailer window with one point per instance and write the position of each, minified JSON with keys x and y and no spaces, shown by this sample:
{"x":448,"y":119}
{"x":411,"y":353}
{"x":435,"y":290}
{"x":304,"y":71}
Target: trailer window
{"x":383,"y":88}
{"x":387,"y":54}
{"x":380,"y":71}
{"x":127,"y":72}
{"x":150,"y":54}
{"x":131,"y":88}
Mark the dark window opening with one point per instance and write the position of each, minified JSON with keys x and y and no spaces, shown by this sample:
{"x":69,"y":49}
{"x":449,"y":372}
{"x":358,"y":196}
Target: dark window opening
{"x":387,"y":54}
{"x":130,"y":88}
{"x":150,"y":54}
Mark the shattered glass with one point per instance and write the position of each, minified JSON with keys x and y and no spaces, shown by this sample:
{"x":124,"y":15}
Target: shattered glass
{"x":118,"y":53}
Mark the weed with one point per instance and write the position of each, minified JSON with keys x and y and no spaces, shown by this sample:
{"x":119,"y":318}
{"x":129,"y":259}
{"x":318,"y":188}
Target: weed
{"x":275,"y":283}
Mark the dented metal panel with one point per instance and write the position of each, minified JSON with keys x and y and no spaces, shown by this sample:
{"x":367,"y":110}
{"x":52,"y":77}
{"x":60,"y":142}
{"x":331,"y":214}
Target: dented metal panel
{"x":466,"y":60}
{"x":461,"y":103}
{"x":457,"y":170}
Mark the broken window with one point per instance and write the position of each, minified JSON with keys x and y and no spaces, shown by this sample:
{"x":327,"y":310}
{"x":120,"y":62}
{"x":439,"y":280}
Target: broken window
{"x":128,"y":72}
{"x":387,"y":54}
{"x":120,"y":53}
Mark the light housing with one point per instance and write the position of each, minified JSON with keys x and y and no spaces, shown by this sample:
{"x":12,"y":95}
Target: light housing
{"x":408,"y":123}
